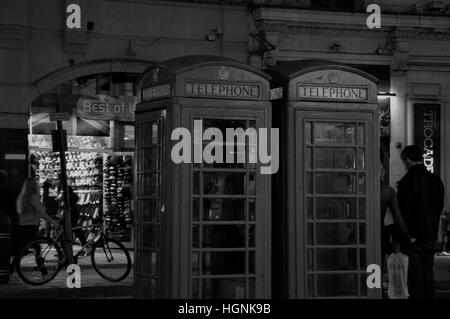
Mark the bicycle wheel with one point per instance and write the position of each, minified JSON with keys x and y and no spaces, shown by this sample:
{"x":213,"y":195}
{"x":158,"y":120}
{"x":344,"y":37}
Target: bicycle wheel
{"x":39,"y":262}
{"x":111,"y":260}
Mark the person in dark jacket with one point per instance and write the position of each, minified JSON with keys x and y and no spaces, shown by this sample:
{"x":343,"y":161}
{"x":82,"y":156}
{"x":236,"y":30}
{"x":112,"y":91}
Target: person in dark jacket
{"x":421,"y":200}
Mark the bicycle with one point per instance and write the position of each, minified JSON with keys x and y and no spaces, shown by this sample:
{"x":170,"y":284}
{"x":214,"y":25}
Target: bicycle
{"x":42,"y":259}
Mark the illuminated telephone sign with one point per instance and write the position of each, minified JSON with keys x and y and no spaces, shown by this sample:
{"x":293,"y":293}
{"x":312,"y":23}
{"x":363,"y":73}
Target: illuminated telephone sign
{"x":427,"y":134}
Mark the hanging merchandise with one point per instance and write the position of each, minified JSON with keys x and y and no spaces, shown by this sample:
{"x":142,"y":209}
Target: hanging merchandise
{"x":118,"y":172}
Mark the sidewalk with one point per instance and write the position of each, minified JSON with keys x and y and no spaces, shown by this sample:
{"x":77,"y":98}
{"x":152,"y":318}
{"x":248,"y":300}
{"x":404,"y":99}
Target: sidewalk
{"x":92,"y":286}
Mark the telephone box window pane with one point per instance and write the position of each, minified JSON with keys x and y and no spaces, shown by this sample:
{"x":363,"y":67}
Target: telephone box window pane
{"x":310,"y":259}
{"x":195,"y":209}
{"x":308,"y":133}
{"x":195,"y":289}
{"x":251,"y":184}
{"x":150,"y":236}
{"x":362,"y":234}
{"x":195,"y":236}
{"x":251,"y":288}
{"x":217,"y":209}
{"x":150,"y":210}
{"x":336,"y":234}
{"x":363,"y":285}
{"x":224,"y":236}
{"x":196,"y":183}
{"x":150,"y":133}
{"x":361,"y":134}
{"x":362,"y":259}
{"x":308,"y":160}
{"x":225,"y":183}
{"x":337,"y":259}
{"x":151,"y":158}
{"x":310,"y":233}
{"x":236,"y":155}
{"x":150,"y":184}
{"x":328,"y":157}
{"x":251,"y":236}
{"x":361,"y":163}
{"x":223,"y":124}
{"x":309,"y":183}
{"x":334,"y":133}
{"x":149,"y":262}
{"x":251,"y":262}
{"x":362,"y":208}
{"x":223,"y":288}
{"x":329,"y":285}
{"x":335,"y":183}
{"x":252,"y":210}
{"x":310,"y":207}
{"x":223,"y":263}
{"x":310,"y":286}
{"x":336,"y":208}
{"x":195,"y":263}
{"x":361,"y":183}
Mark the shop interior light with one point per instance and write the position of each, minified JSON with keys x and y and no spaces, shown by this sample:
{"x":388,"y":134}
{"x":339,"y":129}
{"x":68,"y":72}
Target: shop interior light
{"x":21,"y":157}
{"x":386,"y":94}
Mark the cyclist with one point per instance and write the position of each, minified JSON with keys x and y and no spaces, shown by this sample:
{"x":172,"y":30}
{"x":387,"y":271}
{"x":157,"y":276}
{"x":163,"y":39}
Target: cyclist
{"x":30,"y":211}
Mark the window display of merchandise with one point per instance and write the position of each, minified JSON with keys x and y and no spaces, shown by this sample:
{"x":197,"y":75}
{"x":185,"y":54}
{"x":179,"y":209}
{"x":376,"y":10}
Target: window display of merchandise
{"x":118,"y":179}
{"x":102,"y":181}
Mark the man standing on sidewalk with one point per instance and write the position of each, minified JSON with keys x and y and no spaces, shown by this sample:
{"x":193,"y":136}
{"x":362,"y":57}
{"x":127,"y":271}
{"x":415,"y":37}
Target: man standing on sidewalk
{"x":421,"y":200}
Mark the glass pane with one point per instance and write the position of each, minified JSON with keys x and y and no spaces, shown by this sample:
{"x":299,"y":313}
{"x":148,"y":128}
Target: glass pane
{"x":223,"y":209}
{"x":309,"y":207}
{"x":362,"y":234}
{"x":150,"y":210}
{"x":150,"y":236}
{"x":361,"y":134}
{"x":224,"y":183}
{"x":251,"y":210}
{"x":310,"y":259}
{"x":223,"y":263}
{"x":336,"y":234}
{"x":251,"y":262}
{"x":329,"y":285}
{"x":310,"y":233}
{"x":195,"y":209}
{"x":308,"y":160}
{"x":309,"y":183}
{"x":360,"y":159}
{"x":195,"y":263}
{"x":150,"y":184}
{"x":251,"y":236}
{"x":196,"y":183}
{"x":232,"y":157}
{"x":337,"y":259}
{"x":223,"y":124}
{"x":223,"y":236}
{"x":251,"y":288}
{"x":336,"y":208}
{"x":335,"y":183}
{"x":149,"y":262}
{"x":308,"y":139}
{"x":195,"y":236}
{"x":195,"y":289}
{"x":334,"y":157}
{"x":251,"y":184}
{"x":363,"y":284}
{"x":150,"y":158}
{"x":362,"y":208}
{"x":361,"y":183}
{"x":149,"y":287}
{"x":362,"y":259}
{"x":310,"y":286}
{"x":129,"y":140}
{"x":150,"y":132}
{"x":223,"y":288}
{"x":333,"y":133}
